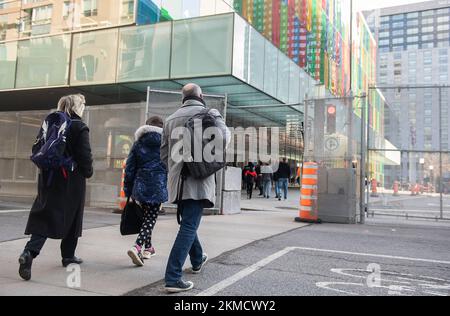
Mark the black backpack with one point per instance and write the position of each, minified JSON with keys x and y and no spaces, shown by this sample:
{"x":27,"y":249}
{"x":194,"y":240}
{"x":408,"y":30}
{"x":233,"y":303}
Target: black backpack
{"x":204,"y":169}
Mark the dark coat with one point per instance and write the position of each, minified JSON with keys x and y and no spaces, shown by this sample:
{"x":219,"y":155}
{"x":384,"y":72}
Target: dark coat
{"x":58,"y":208}
{"x":145,"y":174}
{"x":284,"y":171}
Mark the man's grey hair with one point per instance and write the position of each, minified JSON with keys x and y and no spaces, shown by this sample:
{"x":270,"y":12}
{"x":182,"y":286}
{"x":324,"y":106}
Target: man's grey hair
{"x":192,"y":90}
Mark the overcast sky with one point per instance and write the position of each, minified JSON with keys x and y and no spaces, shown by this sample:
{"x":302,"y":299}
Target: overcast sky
{"x":373,"y":4}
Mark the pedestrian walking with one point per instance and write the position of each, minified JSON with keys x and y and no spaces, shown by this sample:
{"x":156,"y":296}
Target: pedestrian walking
{"x":249,"y":178}
{"x":191,"y":194}
{"x":276,"y":177}
{"x":146,"y":183}
{"x":259,"y":182}
{"x":267,"y":179}
{"x":63,"y":147}
{"x":284,"y":174}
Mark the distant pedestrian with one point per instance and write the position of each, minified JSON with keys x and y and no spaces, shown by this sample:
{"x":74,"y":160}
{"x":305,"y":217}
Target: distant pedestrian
{"x":146,"y":182}
{"x":284,"y":174}
{"x":259,"y":183}
{"x":191,"y":195}
{"x":276,"y":177}
{"x":57,"y":212}
{"x":267,"y":179}
{"x":249,"y":177}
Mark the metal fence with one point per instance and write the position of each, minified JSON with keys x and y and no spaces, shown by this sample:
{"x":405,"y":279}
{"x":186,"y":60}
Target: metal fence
{"x":408,"y":174}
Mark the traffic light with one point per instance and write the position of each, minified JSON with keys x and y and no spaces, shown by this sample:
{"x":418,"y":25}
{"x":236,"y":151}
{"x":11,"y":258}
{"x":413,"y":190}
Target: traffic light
{"x":331,"y":119}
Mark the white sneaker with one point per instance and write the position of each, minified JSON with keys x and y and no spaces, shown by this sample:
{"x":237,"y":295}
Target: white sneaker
{"x":148,"y":253}
{"x":136,"y":256}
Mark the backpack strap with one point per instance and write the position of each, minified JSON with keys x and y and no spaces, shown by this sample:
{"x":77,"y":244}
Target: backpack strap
{"x":183,"y":176}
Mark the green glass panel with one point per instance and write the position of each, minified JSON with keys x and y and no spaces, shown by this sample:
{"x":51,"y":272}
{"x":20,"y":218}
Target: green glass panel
{"x":8,"y":56}
{"x":144,"y":53}
{"x":248,"y":62}
{"x":270,"y":69}
{"x":283,"y":77}
{"x":94,"y":57}
{"x":43,"y":62}
{"x":294,"y":82}
{"x":202,"y":47}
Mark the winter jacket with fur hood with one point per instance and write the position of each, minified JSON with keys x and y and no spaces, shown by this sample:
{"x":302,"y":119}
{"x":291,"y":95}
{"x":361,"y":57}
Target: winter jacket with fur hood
{"x":145,"y":174}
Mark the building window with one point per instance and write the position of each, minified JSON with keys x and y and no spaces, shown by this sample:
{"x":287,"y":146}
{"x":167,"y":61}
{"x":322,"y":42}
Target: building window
{"x":442,"y":19}
{"x":412,"y":15}
{"x":413,"y":23}
{"x":90,"y":7}
{"x":427,"y":21}
{"x":427,"y":29}
{"x":127,"y":9}
{"x":441,"y":36}
{"x":397,"y":33}
{"x":428,"y":13}
{"x":398,"y":24}
{"x":444,"y":27}
{"x":383,"y":42}
{"x":397,"y":41}
{"x":413,"y":31}
{"x":443,"y":11}
{"x":428,"y":45}
{"x":427,"y":57}
{"x":412,"y":39}
{"x":67,"y":6}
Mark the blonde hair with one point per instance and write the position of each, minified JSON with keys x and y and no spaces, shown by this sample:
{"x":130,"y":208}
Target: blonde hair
{"x":72,"y":104}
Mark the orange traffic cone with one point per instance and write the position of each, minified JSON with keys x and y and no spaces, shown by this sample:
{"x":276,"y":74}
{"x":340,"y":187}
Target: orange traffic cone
{"x":374,"y":186}
{"x":309,"y":212}
{"x":396,"y":188}
{"x":122,"y":200}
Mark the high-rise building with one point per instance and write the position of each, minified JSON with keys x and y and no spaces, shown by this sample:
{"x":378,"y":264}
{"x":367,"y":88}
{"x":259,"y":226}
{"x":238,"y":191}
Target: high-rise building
{"x":413,"y":49}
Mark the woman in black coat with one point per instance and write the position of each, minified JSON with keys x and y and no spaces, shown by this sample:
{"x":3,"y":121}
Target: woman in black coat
{"x":57,"y":212}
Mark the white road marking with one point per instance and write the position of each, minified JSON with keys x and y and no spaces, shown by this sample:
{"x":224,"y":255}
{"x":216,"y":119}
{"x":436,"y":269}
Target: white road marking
{"x":244,"y":273}
{"x":13,"y":211}
{"x":373,"y":255}
{"x":264,"y":262}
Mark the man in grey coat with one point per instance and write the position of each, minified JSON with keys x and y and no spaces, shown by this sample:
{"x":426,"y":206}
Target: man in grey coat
{"x":197,"y":194}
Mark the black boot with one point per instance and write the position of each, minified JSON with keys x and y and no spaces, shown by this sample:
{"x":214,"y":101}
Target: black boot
{"x":68,"y":261}
{"x":25,"y":261}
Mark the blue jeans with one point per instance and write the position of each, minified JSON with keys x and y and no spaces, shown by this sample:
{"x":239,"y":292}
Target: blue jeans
{"x":267,"y":188}
{"x":277,"y":188}
{"x":283,"y":185}
{"x":187,"y":242}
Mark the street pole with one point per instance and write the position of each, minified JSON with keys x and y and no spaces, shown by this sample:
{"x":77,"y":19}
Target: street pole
{"x":147,"y":104}
{"x":362,"y":188}
{"x":441,"y":179}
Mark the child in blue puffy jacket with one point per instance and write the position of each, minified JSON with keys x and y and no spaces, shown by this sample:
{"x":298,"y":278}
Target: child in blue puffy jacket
{"x":146,"y":182}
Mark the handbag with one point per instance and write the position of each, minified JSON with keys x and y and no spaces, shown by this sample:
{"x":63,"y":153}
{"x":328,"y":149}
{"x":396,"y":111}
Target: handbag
{"x":132,"y":218}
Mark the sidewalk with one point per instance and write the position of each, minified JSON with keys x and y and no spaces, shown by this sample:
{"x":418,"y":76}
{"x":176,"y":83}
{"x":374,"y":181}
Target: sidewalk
{"x":108,"y":270}
{"x":257,"y":203}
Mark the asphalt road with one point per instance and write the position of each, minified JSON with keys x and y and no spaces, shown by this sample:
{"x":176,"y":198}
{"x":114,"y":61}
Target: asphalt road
{"x":380,"y":258}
